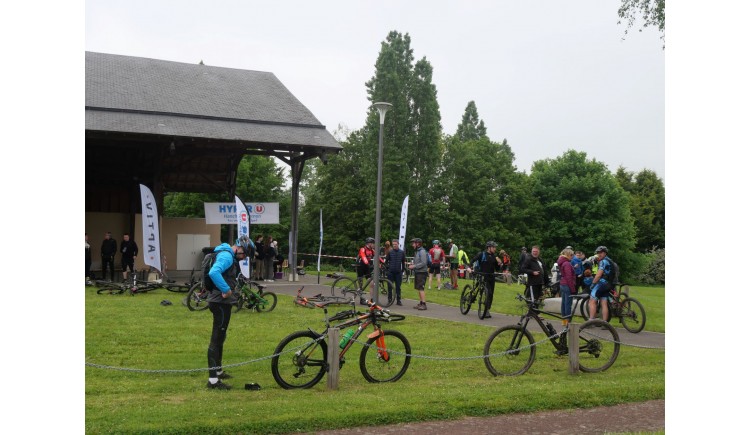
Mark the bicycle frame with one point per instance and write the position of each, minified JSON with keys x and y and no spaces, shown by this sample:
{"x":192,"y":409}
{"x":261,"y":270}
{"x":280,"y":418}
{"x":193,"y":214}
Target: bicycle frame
{"x":535,"y":313}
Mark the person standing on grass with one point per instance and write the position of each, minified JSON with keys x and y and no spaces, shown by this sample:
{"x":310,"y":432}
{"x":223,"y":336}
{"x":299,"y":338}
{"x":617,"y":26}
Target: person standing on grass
{"x":109,"y":249}
{"x":567,"y":284}
{"x":221,"y":300}
{"x":437,"y":256}
{"x":419,"y":266}
{"x":453,"y":260}
{"x":269,"y":255}
{"x":396,"y":263}
{"x":488,"y":263}
{"x":537,"y":276}
{"x":129,"y":251}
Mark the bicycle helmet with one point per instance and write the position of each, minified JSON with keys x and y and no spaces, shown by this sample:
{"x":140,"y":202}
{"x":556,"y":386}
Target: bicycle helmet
{"x":600,"y":249}
{"x":436,"y":242}
{"x":247,"y":245}
{"x":369,"y":240}
{"x":416,"y":240}
{"x":491,"y":244}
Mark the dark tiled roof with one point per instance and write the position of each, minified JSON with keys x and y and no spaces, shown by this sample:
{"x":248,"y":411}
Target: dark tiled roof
{"x":126,"y":94}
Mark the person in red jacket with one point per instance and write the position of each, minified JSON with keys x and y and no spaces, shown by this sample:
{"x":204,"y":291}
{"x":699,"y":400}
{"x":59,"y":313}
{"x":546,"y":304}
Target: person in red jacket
{"x":365,"y":263}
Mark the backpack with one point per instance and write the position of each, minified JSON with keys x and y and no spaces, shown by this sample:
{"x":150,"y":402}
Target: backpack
{"x":436,"y":254}
{"x":613,"y":277}
{"x":208,"y":261}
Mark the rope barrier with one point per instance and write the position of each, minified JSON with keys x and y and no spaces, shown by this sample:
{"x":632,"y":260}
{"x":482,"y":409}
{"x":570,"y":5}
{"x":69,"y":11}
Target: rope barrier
{"x":427,"y":357}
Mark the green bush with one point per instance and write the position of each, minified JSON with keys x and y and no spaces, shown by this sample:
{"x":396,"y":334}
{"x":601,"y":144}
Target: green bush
{"x":654,"y":270}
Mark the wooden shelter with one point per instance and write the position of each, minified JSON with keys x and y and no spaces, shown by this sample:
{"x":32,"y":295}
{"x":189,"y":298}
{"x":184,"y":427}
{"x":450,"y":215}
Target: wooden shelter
{"x":179,"y":127}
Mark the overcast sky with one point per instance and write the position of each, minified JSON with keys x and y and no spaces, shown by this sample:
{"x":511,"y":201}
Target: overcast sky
{"x":546,"y":75}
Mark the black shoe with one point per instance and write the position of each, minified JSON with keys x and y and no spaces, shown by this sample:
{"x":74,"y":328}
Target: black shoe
{"x":486,"y":316}
{"x":399,"y":303}
{"x":218,"y":386}
{"x":225,"y":375}
{"x":363,"y":302}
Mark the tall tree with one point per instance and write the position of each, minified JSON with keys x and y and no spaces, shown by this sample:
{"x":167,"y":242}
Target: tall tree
{"x":647,"y":205}
{"x":584,"y":206}
{"x":471,"y":127}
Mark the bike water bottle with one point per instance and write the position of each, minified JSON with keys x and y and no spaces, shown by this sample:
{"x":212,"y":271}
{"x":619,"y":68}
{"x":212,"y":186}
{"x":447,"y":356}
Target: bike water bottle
{"x":345,"y":339}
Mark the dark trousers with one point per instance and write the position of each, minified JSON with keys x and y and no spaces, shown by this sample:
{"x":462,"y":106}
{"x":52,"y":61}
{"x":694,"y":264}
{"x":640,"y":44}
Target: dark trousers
{"x":222,"y":313}
{"x":489,"y":287}
{"x":88,"y":268}
{"x":108,"y":261}
{"x":396,"y":278}
{"x":537,"y":289}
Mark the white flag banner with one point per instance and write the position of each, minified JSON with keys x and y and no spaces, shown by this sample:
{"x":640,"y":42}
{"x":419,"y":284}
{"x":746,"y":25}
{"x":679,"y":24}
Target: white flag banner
{"x":320,"y":246}
{"x":243,"y":229}
{"x":402,"y":231}
{"x":150,"y":219}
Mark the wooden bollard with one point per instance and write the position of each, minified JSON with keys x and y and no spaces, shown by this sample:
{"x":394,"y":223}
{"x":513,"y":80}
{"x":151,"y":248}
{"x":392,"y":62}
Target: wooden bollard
{"x":333,"y":359}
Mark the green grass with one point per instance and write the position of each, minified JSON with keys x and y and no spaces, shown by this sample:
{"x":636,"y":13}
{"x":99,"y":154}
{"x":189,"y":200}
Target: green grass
{"x":137,"y":332}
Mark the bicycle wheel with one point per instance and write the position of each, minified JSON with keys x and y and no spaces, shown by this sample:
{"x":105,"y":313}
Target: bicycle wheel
{"x":509,"y":351}
{"x":387,"y":289}
{"x":197,"y":298}
{"x":481,"y":302}
{"x":599,"y":346}
{"x":299,"y":361}
{"x":110,"y":289}
{"x":267,"y":302}
{"x":585,"y":310}
{"x":177,"y":288}
{"x":632,"y":315}
{"x":385,"y":358}
{"x":466,"y":296}
{"x":344,"y":287}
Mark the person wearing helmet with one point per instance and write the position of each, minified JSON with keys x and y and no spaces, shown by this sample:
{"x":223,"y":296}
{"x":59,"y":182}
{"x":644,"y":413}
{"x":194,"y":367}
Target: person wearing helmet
{"x":419,"y":266}
{"x":365,"y":263}
{"x":223,"y":276}
{"x":487,"y":264}
{"x":437,"y":256}
{"x":536,"y":273}
{"x":453,"y":260}
{"x":600,"y":285}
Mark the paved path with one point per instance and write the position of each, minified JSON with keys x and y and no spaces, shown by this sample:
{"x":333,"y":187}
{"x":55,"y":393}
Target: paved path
{"x":444,"y":312}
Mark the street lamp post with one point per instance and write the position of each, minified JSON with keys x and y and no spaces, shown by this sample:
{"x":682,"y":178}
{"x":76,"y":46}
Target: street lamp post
{"x":382,"y":108}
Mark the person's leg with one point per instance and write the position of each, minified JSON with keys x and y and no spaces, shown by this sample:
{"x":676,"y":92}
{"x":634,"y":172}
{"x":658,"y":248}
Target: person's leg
{"x":124,"y":265}
{"x":565,"y":305}
{"x":594,"y":298}
{"x":104,"y":268}
{"x":221,"y":313}
{"x":489,"y":285}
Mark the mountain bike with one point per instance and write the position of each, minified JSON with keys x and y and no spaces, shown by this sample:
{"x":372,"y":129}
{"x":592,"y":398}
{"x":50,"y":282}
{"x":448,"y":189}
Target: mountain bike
{"x":349,"y":288}
{"x":628,"y":310}
{"x":473,"y":292}
{"x":250,"y":295}
{"x":172,"y":286}
{"x":131,"y":285}
{"x":300,"y":358}
{"x":318,"y":301}
{"x":511,"y":350}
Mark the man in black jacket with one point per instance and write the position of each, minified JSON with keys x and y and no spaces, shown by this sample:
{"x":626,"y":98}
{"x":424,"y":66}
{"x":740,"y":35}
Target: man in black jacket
{"x":488,"y":264}
{"x":109,"y":249}
{"x":129,"y":251}
{"x":537,"y":277}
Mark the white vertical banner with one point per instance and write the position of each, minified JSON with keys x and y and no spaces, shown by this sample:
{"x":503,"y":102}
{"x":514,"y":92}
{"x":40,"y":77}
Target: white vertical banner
{"x":150,"y":220}
{"x":320,"y":246}
{"x":243,"y":229}
{"x":402,"y":231}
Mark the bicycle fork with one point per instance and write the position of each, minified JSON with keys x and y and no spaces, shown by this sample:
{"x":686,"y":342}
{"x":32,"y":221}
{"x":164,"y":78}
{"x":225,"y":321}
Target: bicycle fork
{"x":379,"y":337}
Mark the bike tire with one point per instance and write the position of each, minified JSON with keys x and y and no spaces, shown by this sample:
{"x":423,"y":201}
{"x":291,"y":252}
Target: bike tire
{"x":388,"y":289}
{"x":509,"y":351}
{"x":585,"y":311}
{"x":268,"y":303}
{"x":176,"y":288}
{"x":388,"y":365}
{"x":344,"y":286}
{"x":298,"y":361}
{"x":481,"y":302}
{"x":197,"y":299}
{"x":111,"y":289}
{"x":624,"y":289}
{"x":632,"y":315}
{"x":465,"y":303}
{"x":243,"y":300}
{"x":599,"y":346}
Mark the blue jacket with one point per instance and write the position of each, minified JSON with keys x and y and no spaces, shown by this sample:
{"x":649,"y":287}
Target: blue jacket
{"x":577,"y":264}
{"x":224,"y":261}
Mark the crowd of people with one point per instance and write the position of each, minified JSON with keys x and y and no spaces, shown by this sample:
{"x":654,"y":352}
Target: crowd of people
{"x":128,"y":251}
{"x":573,"y":270}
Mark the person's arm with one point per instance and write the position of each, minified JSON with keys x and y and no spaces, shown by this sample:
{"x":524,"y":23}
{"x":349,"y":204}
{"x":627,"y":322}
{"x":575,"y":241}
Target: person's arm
{"x":222,"y":263}
{"x":362,"y":256}
{"x":135,"y":249}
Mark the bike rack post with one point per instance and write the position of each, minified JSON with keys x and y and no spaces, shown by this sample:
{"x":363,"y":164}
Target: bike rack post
{"x":332,"y":382}
{"x":573,"y":348}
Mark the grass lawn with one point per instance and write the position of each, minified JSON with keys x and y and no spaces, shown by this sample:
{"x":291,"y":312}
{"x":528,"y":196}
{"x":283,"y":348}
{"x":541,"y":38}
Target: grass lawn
{"x":139,"y":333}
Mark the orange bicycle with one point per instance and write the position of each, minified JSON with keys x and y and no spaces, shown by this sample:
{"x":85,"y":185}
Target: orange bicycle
{"x":300,"y":358}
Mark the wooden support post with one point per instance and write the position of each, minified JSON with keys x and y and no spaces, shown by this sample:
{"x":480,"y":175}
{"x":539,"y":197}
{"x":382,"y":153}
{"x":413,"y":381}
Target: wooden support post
{"x":333,"y":359}
{"x":573,"y":348}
